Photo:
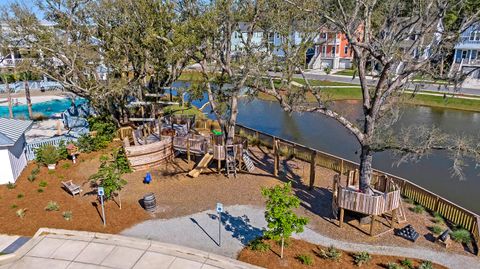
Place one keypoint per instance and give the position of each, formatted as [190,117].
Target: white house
[12,148]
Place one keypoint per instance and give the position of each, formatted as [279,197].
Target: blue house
[467,50]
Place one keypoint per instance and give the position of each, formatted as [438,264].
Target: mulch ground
[179,195]
[271,258]
[86,209]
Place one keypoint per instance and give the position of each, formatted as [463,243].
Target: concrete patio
[62,249]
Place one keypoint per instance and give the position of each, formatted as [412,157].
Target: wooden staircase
[248,161]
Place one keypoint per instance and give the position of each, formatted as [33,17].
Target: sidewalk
[63,249]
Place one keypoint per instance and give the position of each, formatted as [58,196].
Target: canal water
[431,172]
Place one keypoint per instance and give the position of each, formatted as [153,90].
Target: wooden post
[394,218]
[372,222]
[342,213]
[313,157]
[275,157]
[59,128]
[188,149]
[341,169]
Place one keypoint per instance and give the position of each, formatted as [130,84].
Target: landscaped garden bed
[302,254]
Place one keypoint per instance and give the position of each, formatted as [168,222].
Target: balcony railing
[328,55]
[470,61]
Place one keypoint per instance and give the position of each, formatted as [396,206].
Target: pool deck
[20,100]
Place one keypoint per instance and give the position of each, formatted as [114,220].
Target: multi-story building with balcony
[466,58]
[331,50]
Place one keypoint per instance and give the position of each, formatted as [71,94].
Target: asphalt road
[424,87]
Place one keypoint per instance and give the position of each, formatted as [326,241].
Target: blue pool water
[46,108]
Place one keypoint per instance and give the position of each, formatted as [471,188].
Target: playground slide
[201,165]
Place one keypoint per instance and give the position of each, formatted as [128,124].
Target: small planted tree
[108,176]
[281,219]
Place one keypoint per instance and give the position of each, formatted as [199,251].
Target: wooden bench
[72,188]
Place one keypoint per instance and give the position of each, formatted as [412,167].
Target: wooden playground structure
[152,144]
[384,201]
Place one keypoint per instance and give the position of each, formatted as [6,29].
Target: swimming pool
[47,108]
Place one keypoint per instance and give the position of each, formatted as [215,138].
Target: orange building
[331,50]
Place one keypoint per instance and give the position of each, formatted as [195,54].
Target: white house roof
[11,130]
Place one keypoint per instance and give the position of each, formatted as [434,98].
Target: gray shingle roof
[11,130]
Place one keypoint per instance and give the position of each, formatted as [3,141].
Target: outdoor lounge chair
[72,188]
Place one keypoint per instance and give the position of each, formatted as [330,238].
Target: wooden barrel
[149,202]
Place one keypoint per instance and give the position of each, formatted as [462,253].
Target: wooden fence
[449,210]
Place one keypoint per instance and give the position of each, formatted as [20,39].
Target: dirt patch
[271,258]
[85,209]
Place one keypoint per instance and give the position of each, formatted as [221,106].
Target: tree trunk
[29,99]
[366,169]
[232,121]
[9,98]
[281,249]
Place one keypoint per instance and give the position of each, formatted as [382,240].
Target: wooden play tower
[385,199]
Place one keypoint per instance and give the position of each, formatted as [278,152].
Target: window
[475,36]
[324,49]
[324,35]
[334,50]
[345,50]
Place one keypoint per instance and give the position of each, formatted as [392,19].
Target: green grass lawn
[338,94]
[183,110]
[190,76]
[346,72]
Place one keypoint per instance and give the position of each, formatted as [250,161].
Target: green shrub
[438,218]
[20,196]
[66,165]
[67,215]
[327,70]
[42,184]
[121,161]
[34,173]
[418,209]
[392,265]
[52,206]
[407,263]
[461,236]
[305,259]
[103,125]
[51,172]
[258,245]
[21,212]
[31,177]
[11,186]
[13,206]
[105,131]
[39,190]
[47,154]
[361,258]
[426,265]
[331,253]
[435,229]
[87,143]
[62,150]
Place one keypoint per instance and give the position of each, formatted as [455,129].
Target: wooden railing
[449,210]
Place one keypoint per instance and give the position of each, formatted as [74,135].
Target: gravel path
[241,223]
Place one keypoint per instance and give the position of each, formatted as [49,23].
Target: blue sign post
[101,192]
[219,211]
